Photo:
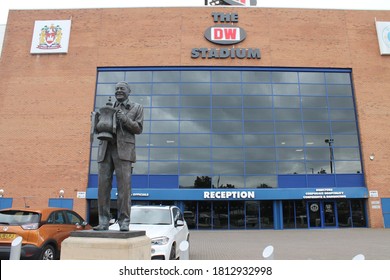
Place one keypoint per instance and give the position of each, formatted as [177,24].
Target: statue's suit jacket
[125,132]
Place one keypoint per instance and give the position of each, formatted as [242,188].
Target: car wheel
[48,253]
[172,255]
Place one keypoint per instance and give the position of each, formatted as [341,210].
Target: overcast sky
[6,5]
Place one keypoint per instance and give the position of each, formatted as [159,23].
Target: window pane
[198,154]
[288,114]
[260,154]
[232,140]
[261,182]
[315,114]
[166,89]
[165,126]
[259,140]
[311,77]
[227,114]
[258,114]
[226,89]
[166,76]
[196,140]
[316,127]
[291,167]
[195,101]
[353,167]
[165,140]
[288,127]
[227,101]
[228,126]
[313,89]
[195,76]
[285,89]
[111,77]
[195,126]
[344,128]
[143,100]
[346,154]
[314,102]
[259,167]
[286,102]
[228,154]
[339,90]
[284,77]
[256,77]
[340,102]
[198,167]
[138,76]
[164,153]
[194,114]
[317,154]
[195,88]
[289,140]
[165,114]
[345,140]
[163,168]
[258,89]
[165,101]
[345,115]
[257,101]
[231,168]
[338,78]
[226,76]
[290,154]
[260,127]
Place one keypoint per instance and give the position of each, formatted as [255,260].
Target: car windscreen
[150,216]
[11,217]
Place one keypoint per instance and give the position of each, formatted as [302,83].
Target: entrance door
[314,210]
[329,213]
[322,214]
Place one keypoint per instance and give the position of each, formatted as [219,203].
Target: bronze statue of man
[118,154]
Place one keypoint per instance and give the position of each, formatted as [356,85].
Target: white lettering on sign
[225,33]
[324,193]
[229,194]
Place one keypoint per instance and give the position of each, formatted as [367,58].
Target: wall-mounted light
[61,194]
[372,156]
[1,192]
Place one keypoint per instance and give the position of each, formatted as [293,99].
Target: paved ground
[333,244]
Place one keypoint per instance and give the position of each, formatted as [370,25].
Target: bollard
[184,250]
[268,252]
[359,257]
[16,246]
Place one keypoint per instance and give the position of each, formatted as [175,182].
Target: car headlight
[163,240]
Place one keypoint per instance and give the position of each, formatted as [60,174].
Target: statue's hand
[120,115]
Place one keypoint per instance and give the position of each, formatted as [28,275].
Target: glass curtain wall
[237,127]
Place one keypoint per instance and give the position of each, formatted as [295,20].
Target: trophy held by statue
[104,122]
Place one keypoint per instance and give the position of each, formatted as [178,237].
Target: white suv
[164,225]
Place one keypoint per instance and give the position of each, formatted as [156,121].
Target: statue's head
[122,91]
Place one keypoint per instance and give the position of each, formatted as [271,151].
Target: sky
[6,5]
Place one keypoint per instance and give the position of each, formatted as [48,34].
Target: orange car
[42,230]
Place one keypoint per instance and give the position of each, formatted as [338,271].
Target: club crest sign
[51,36]
[383,32]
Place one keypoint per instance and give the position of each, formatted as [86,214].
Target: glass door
[329,213]
[314,210]
[322,214]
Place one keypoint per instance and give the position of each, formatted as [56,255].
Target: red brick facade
[46,100]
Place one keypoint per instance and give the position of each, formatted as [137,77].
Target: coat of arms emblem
[50,37]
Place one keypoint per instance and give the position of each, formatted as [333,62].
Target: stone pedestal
[106,245]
